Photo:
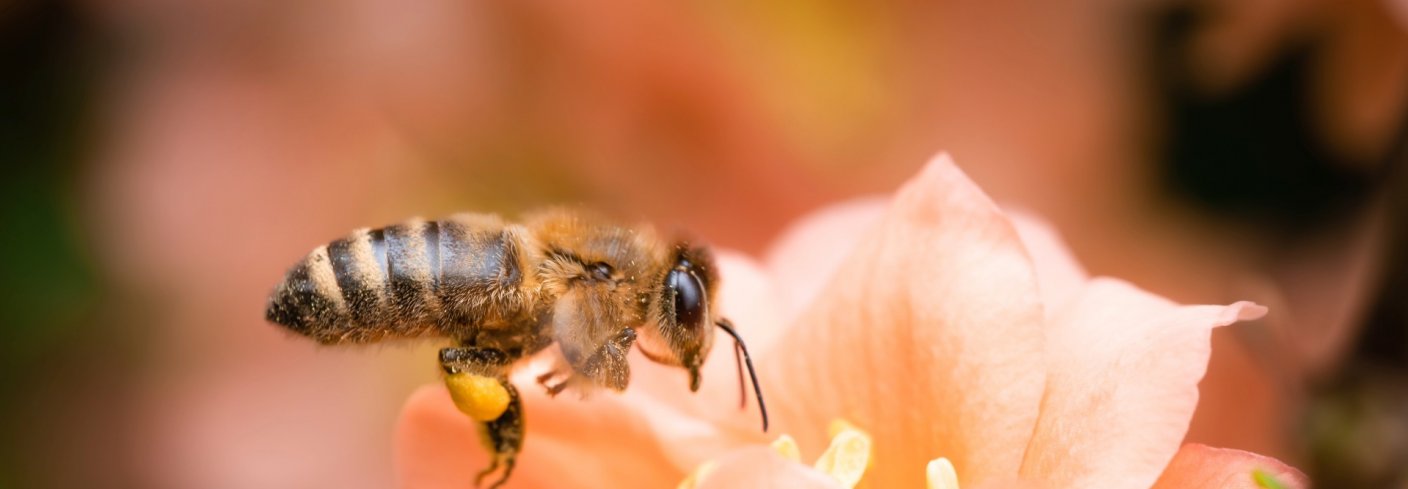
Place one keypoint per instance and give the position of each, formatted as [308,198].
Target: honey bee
[503,291]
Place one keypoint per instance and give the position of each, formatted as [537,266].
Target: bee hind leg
[504,438]
[488,362]
[479,387]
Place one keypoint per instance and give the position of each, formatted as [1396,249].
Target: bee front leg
[552,388]
[608,366]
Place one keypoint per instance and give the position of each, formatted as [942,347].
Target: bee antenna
[738,365]
[727,326]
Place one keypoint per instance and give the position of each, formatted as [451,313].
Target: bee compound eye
[601,271]
[689,298]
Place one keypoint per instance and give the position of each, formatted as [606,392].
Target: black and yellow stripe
[404,280]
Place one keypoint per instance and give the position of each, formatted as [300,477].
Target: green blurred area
[44,97]
[48,285]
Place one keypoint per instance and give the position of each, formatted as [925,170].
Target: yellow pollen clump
[940,474]
[482,398]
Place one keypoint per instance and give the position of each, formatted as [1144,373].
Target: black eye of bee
[689,297]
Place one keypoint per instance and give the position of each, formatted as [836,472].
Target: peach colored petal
[749,297]
[1058,273]
[1122,384]
[693,427]
[761,467]
[1009,482]
[811,249]
[596,443]
[928,337]
[1203,466]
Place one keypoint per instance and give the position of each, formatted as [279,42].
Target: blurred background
[165,160]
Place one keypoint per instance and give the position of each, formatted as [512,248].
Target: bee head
[683,328]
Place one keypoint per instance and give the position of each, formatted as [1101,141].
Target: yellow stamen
[697,476]
[845,460]
[482,398]
[787,447]
[940,474]
[838,425]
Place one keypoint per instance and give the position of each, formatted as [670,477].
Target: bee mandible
[503,291]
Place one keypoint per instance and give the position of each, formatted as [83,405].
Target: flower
[944,328]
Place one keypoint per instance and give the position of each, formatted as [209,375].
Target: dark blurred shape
[1359,430]
[1358,423]
[1252,151]
[1385,340]
[47,284]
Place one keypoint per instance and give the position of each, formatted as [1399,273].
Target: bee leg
[608,366]
[553,388]
[504,437]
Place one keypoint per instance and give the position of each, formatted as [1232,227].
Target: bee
[503,291]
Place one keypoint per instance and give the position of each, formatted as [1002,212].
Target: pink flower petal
[1122,385]
[929,337]
[748,296]
[1203,466]
[1058,273]
[1010,482]
[596,443]
[762,468]
[810,251]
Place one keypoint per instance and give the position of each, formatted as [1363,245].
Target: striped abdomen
[411,279]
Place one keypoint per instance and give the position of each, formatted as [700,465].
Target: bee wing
[585,319]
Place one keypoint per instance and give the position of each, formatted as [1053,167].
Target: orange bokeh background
[195,149]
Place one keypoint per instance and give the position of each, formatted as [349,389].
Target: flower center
[845,460]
